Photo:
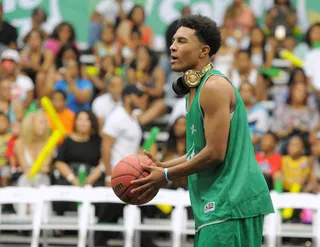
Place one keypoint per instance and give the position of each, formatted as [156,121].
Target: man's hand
[107,184]
[157,162]
[149,185]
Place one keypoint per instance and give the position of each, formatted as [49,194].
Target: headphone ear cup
[179,87]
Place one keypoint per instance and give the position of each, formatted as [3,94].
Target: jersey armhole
[234,92]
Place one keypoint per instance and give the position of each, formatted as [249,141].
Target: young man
[228,192]
[104,104]
[121,135]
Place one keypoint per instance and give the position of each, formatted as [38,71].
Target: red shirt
[10,148]
[269,165]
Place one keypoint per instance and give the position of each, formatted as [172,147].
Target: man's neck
[128,109]
[201,64]
[268,153]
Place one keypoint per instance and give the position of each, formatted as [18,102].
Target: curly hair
[206,30]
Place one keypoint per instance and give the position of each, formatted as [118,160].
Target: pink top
[52,45]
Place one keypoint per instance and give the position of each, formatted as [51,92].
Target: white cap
[10,54]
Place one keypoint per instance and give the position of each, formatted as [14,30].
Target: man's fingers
[149,155]
[147,168]
[140,189]
[146,194]
[140,181]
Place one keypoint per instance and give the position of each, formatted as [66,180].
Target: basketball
[127,170]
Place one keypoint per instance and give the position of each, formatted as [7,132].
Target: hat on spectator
[10,54]
[131,89]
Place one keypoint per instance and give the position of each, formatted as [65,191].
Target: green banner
[76,12]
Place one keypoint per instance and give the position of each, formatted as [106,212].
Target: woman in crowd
[35,133]
[296,117]
[136,17]
[81,150]
[145,72]
[62,35]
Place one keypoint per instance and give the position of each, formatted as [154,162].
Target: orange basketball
[127,170]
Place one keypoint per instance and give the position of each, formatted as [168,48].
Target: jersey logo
[191,152]
[193,129]
[211,206]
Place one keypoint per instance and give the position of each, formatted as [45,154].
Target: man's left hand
[149,185]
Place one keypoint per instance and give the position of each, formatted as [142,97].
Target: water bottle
[82,175]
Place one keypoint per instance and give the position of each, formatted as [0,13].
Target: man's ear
[205,51]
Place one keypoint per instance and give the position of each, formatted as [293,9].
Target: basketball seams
[125,162]
[122,175]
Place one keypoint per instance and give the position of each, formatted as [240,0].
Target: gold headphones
[190,79]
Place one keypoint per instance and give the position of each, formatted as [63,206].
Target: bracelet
[166,175]
[70,177]
[107,179]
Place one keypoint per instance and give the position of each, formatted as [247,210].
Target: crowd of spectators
[106,106]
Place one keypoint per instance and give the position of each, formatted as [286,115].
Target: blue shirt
[72,103]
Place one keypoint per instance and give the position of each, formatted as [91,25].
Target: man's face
[185,50]
[9,67]
[115,88]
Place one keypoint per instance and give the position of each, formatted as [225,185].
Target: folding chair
[22,196]
[299,230]
[172,225]
[45,221]
[106,195]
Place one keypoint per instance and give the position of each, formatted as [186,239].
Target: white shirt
[103,105]
[110,9]
[21,87]
[311,67]
[236,79]
[178,110]
[126,131]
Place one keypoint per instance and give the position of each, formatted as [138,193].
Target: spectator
[21,86]
[239,20]
[35,61]
[11,154]
[258,117]
[258,49]
[179,109]
[4,139]
[67,52]
[107,69]
[79,91]
[107,45]
[122,135]
[107,12]
[8,33]
[36,22]
[176,144]
[268,159]
[296,117]
[103,105]
[128,52]
[243,69]
[282,16]
[62,35]
[316,162]
[136,17]
[150,78]
[66,116]
[224,59]
[81,148]
[311,38]
[35,133]
[296,167]
[12,108]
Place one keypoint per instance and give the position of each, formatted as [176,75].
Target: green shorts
[232,233]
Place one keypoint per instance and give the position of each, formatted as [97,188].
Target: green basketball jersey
[234,189]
